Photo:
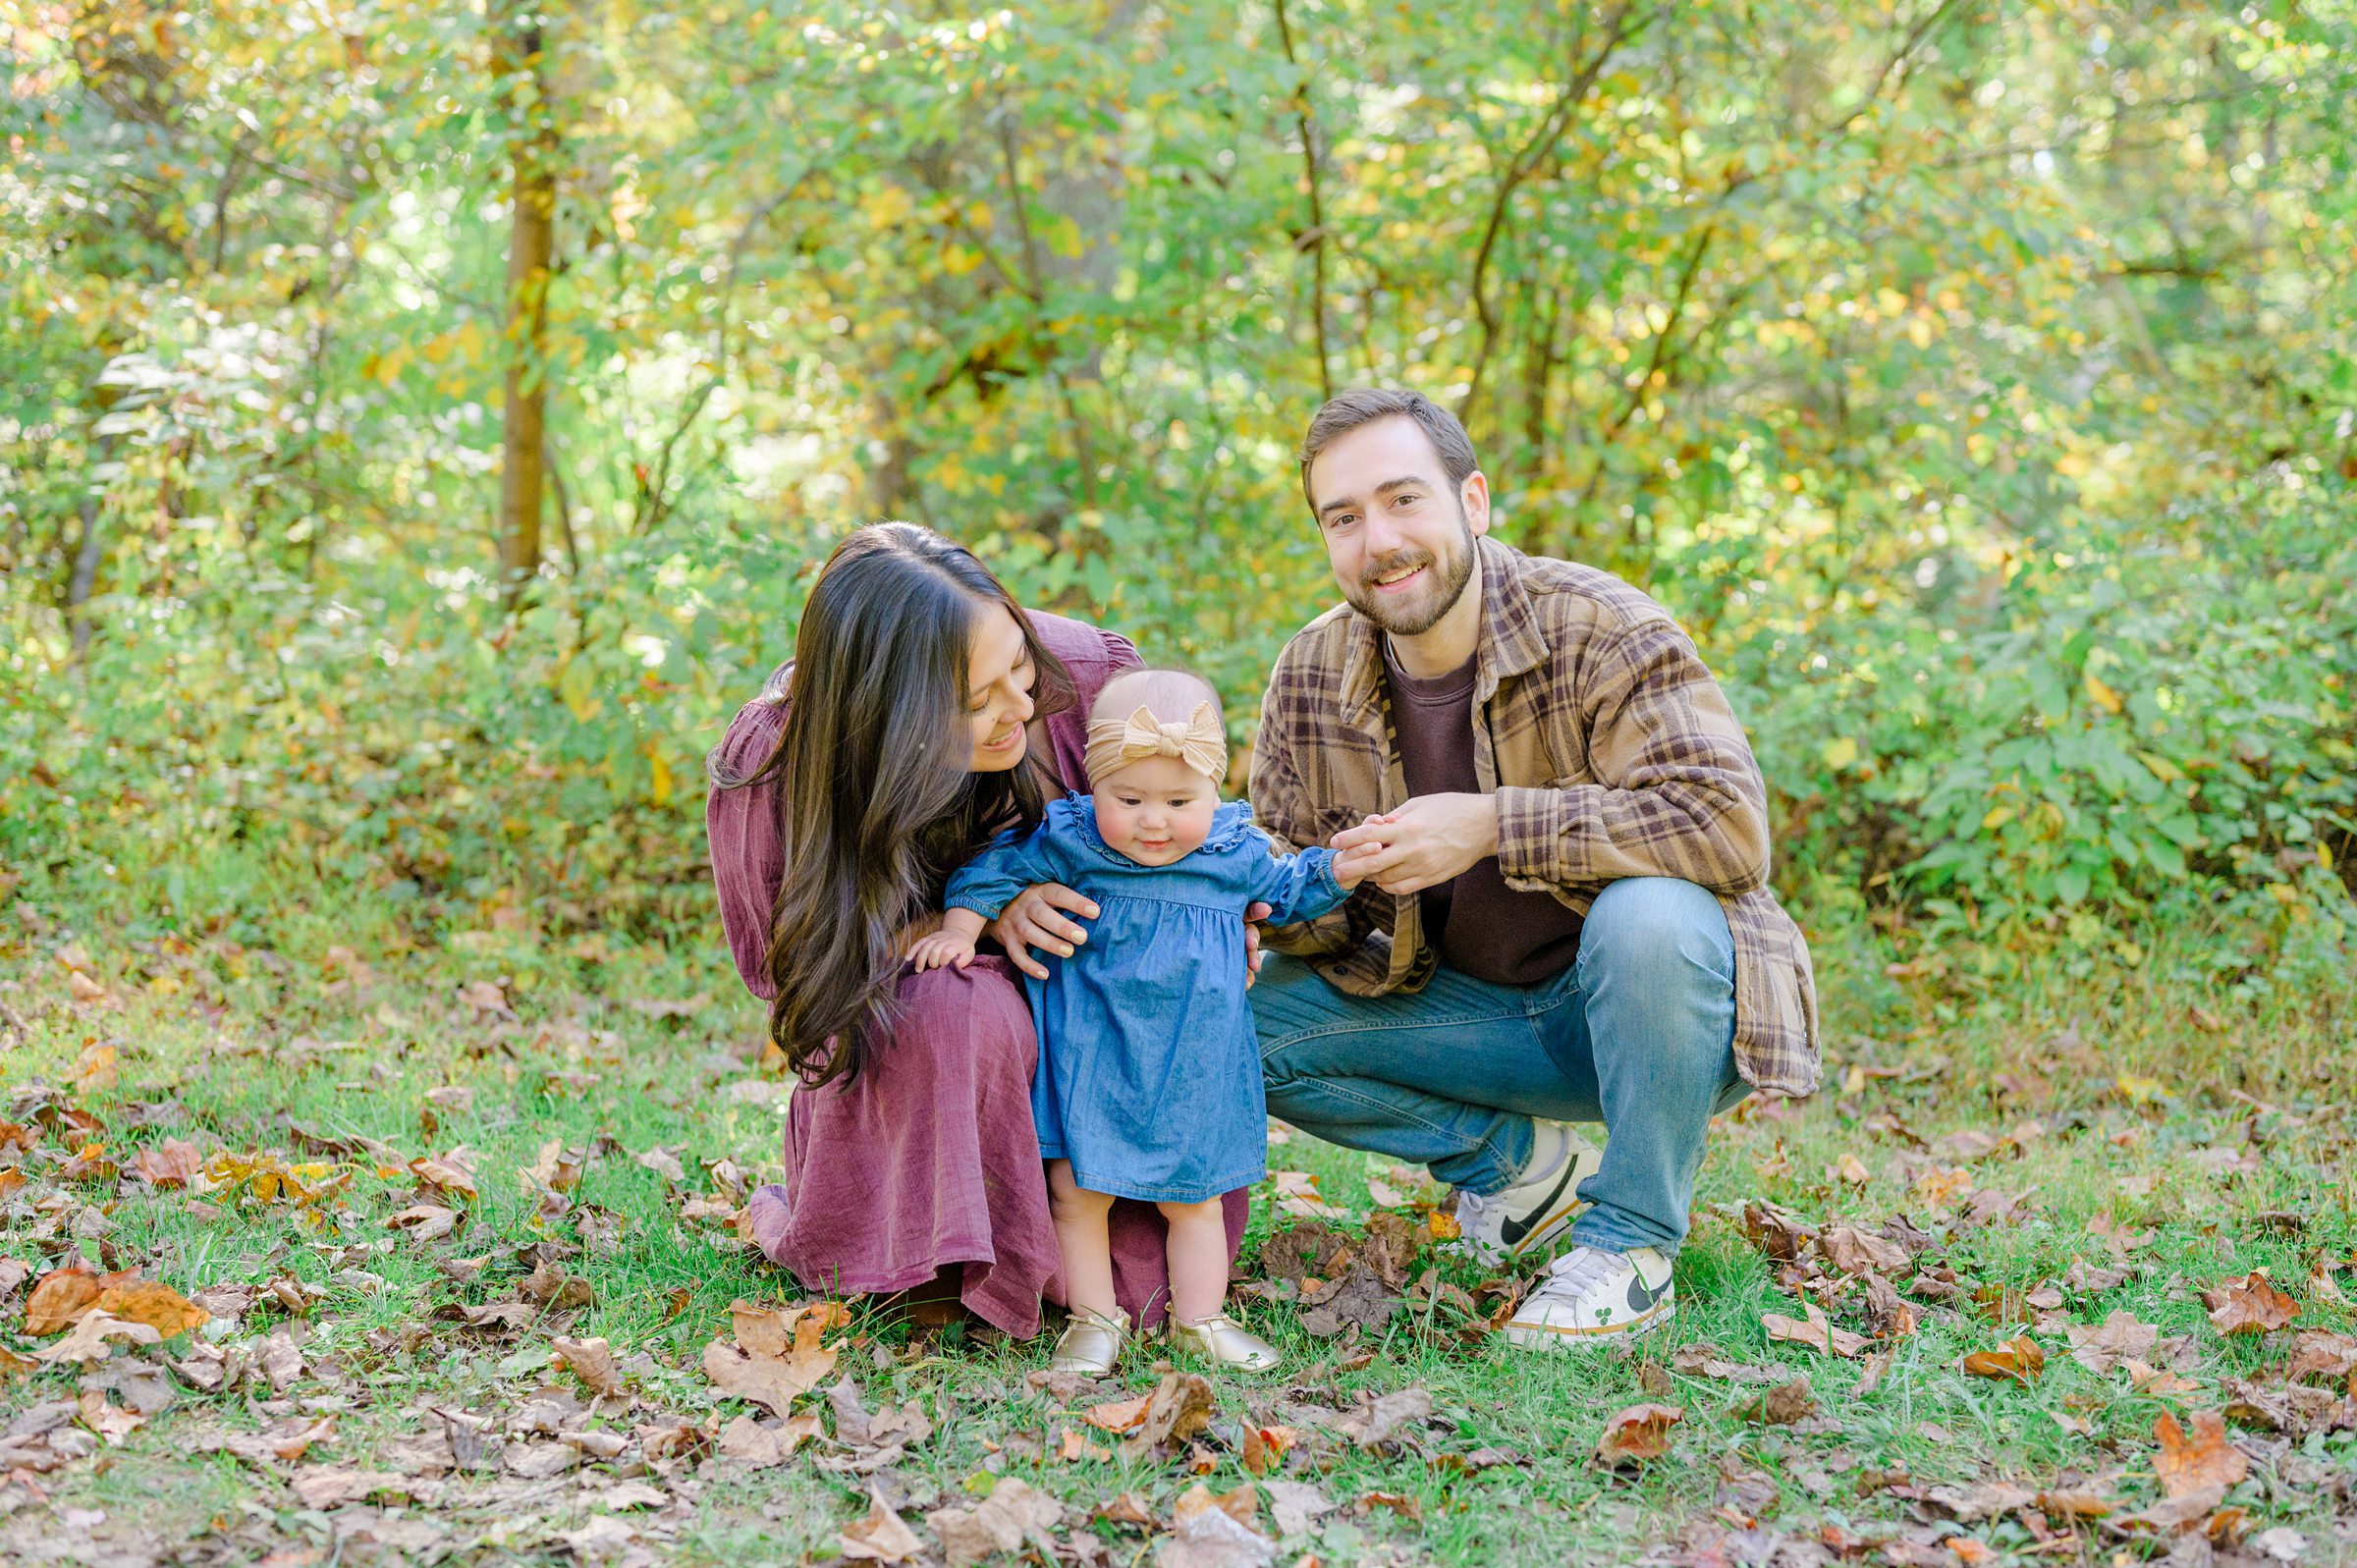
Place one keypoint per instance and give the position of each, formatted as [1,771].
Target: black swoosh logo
[1514,1231]
[1641,1300]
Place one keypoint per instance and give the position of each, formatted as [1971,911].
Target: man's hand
[1420,844]
[1036,919]
[1254,914]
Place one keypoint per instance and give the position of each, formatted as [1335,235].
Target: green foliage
[1946,368]
[2090,723]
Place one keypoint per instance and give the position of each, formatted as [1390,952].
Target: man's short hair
[1346,411]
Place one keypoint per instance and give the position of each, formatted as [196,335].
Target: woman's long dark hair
[880,805]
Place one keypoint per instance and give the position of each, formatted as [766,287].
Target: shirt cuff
[1530,834]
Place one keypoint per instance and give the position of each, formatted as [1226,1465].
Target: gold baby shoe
[1091,1343]
[1224,1341]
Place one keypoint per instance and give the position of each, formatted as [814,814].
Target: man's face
[1397,534]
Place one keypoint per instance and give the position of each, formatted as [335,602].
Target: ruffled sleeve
[747,833]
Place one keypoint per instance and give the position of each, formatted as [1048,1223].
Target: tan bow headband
[1200,743]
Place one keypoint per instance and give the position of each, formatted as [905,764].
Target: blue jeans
[1639,1034]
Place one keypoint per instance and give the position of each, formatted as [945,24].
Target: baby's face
[1155,810]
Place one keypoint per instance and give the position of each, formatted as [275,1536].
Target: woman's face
[997,689]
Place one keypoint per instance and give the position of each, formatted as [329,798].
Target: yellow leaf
[887,205]
[958,260]
[1998,817]
[577,685]
[2161,768]
[1840,753]
[659,778]
[2101,695]
[1063,235]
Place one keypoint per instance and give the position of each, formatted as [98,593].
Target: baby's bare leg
[1080,1216]
[1198,1253]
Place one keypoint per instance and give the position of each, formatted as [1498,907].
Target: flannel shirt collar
[1510,641]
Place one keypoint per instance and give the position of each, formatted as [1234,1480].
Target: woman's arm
[745,825]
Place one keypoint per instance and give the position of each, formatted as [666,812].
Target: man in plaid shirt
[1569,919]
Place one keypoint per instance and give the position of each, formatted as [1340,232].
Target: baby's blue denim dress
[1149,1069]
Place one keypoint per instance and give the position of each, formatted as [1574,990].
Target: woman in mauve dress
[923,711]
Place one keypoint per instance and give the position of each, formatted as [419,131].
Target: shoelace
[1573,1273]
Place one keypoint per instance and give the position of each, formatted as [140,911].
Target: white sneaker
[1589,1294]
[1535,1209]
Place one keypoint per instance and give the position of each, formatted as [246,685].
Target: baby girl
[1149,1075]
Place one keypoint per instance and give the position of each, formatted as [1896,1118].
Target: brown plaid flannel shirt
[1612,753]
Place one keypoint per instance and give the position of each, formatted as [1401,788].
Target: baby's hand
[1351,866]
[942,949]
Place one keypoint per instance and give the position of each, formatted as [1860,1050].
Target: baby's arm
[988,882]
[953,944]
[1301,887]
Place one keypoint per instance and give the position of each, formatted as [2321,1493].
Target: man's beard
[1444,584]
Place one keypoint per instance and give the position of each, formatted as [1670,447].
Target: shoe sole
[1553,1337]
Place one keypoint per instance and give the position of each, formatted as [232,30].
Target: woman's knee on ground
[983,1009]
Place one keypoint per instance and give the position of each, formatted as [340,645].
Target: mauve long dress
[928,1158]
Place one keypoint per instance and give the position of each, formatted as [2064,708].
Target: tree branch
[1314,238]
[1617,31]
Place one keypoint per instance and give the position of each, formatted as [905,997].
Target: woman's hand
[1036,919]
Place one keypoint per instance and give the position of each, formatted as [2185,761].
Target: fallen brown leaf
[1013,1513]
[766,1365]
[109,1421]
[2197,1461]
[2074,1504]
[445,1175]
[1375,1421]
[881,1536]
[2119,1336]
[1816,1332]
[1180,1406]
[62,1296]
[1855,1252]
[1639,1432]
[1703,1359]
[154,1303]
[2250,1305]
[327,1487]
[761,1445]
[425,1221]
[89,1342]
[2154,1380]
[1120,1415]
[1779,1406]
[2019,1359]
[592,1362]
[174,1162]
[2321,1354]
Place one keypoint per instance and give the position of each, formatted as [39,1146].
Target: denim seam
[1327,1032]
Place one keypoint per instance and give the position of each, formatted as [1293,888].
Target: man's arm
[1680,793]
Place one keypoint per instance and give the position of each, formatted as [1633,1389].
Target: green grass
[2133,1075]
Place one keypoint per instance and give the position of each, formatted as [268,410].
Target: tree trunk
[532,248]
[85,576]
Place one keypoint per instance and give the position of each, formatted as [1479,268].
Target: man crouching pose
[1570,920]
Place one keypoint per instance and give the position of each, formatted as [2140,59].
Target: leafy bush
[2114,718]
